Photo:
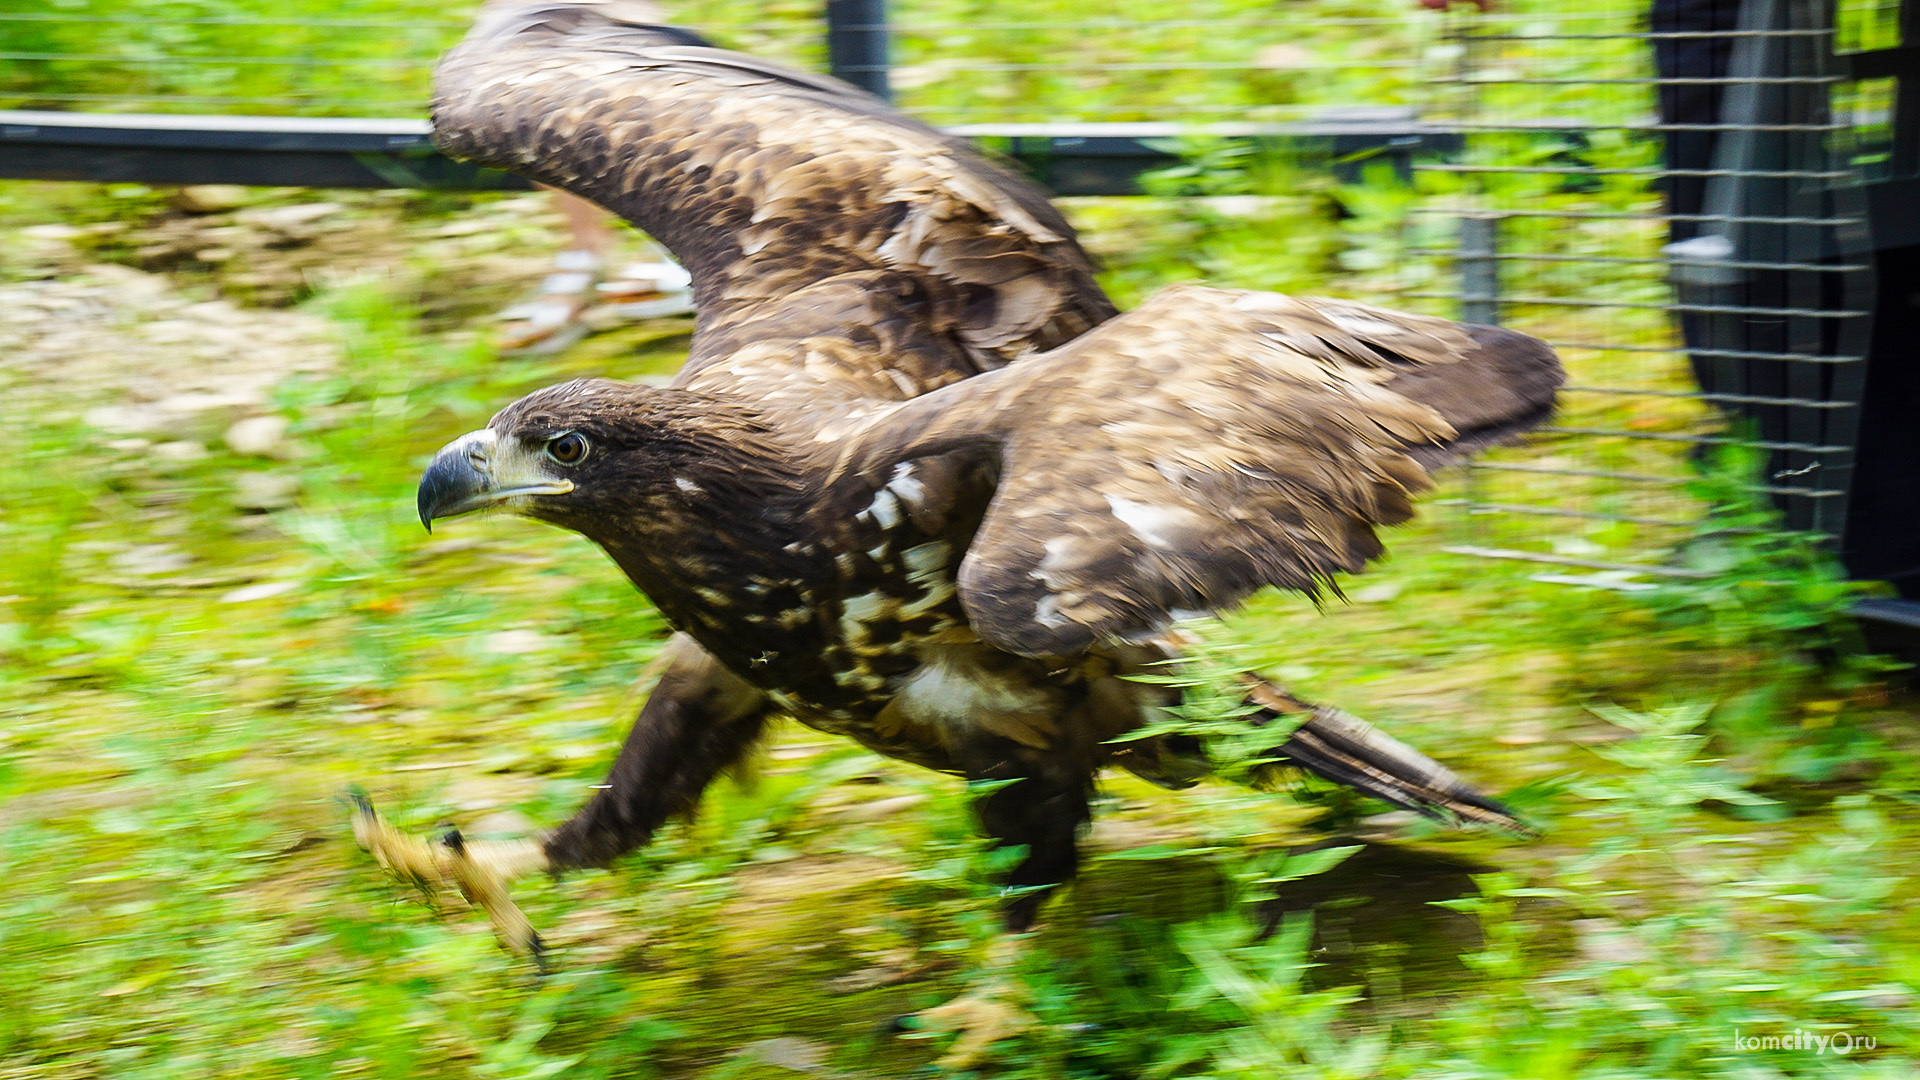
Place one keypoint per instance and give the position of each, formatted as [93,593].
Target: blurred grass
[179,896]
[954,61]
[188,682]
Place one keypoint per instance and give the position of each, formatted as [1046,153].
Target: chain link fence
[949,62]
[1670,193]
[1673,198]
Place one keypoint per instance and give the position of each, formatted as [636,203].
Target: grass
[191,672]
[179,895]
[954,60]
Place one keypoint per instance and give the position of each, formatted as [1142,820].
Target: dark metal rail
[276,151]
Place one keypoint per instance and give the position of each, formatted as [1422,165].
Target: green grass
[179,895]
[1728,813]
[953,60]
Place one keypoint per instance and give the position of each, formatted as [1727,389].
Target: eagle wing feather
[864,282]
[1200,447]
[765,181]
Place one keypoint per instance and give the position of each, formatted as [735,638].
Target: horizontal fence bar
[1578,515]
[1619,348]
[1649,80]
[1180,65]
[232,20]
[1629,215]
[422,61]
[1485,465]
[1183,109]
[1652,260]
[362,104]
[1337,121]
[1488,465]
[1069,158]
[1641,305]
[1293,26]
[1748,354]
[1729,354]
[1657,35]
[896,26]
[1566,560]
[1572,127]
[1705,440]
[1648,172]
[237,61]
[1734,399]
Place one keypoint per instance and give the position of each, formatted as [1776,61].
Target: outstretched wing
[764,181]
[1209,443]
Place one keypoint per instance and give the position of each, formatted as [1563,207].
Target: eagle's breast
[898,587]
[892,610]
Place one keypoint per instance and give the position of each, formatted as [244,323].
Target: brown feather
[765,181]
[918,484]
[1187,453]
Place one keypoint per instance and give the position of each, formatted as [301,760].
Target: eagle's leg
[700,719]
[481,870]
[1045,815]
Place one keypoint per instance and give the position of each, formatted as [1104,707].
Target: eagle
[919,483]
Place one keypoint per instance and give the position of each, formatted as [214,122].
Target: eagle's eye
[568,448]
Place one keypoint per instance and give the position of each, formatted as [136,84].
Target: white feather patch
[1358,323]
[904,484]
[1047,613]
[926,562]
[1064,554]
[885,511]
[1159,526]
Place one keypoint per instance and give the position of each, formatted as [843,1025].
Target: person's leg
[550,319]
[589,228]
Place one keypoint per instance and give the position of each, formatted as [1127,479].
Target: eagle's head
[595,455]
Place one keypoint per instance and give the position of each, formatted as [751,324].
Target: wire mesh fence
[951,62]
[1671,197]
[1667,191]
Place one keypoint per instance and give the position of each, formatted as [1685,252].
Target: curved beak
[473,473]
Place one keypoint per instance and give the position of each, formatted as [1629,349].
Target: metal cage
[1689,201]
[1693,199]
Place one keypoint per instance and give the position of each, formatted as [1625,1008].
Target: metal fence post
[857,44]
[1479,269]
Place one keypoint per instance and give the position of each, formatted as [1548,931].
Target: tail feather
[1347,750]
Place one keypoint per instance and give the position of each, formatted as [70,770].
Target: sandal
[551,319]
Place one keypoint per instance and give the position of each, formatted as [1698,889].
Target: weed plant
[1779,600]
[178,896]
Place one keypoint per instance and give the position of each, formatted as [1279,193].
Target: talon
[982,1016]
[482,871]
[400,855]
[982,1019]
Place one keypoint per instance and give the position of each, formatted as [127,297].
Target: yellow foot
[482,871]
[982,1016]
[982,1019]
